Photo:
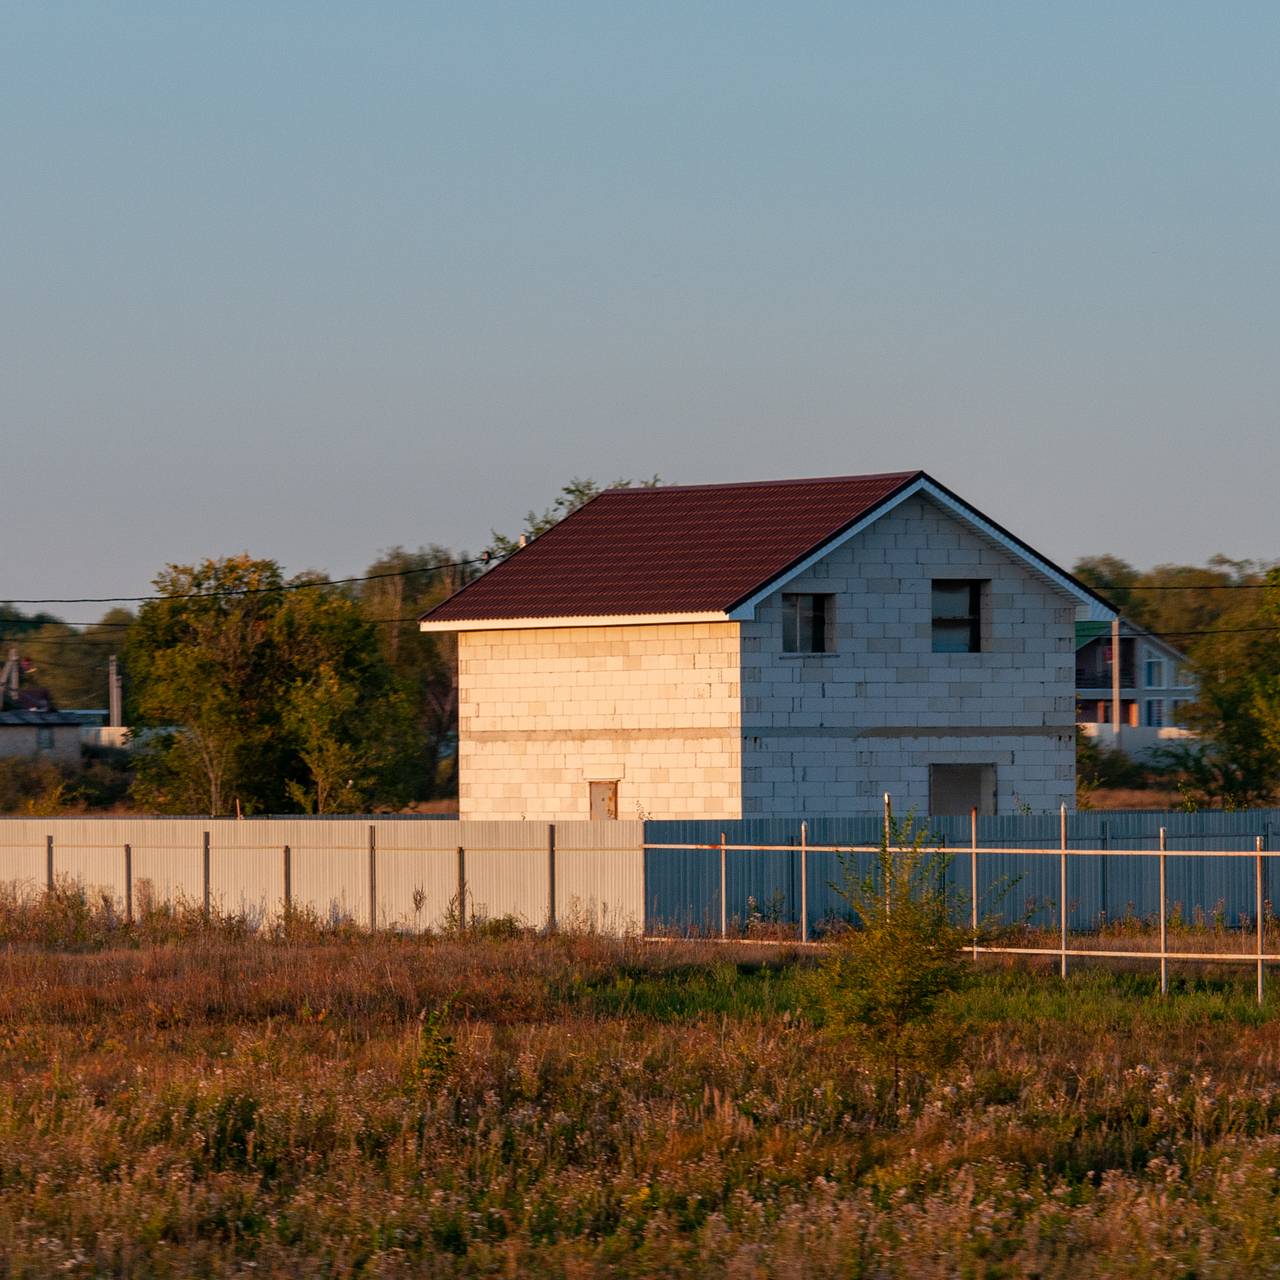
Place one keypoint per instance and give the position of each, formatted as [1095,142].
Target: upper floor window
[1155,713]
[1154,673]
[957,615]
[807,623]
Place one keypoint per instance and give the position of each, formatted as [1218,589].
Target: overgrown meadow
[187,1099]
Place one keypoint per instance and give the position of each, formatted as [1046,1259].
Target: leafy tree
[425,665]
[1113,578]
[321,717]
[884,985]
[257,693]
[204,663]
[14,623]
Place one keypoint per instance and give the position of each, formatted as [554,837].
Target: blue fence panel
[682,885]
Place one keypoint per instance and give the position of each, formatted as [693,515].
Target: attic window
[957,615]
[806,623]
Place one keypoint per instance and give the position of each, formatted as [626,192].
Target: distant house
[54,734]
[778,648]
[30,724]
[1155,687]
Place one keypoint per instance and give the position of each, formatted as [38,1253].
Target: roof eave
[572,620]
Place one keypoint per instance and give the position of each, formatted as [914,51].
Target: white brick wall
[831,733]
[713,720]
[543,712]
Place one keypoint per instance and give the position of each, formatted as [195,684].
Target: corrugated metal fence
[682,885]
[406,873]
[387,873]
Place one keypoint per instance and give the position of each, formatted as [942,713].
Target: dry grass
[1164,801]
[199,1100]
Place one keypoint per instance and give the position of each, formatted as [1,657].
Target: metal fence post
[1261,921]
[973,878]
[804,882]
[48,863]
[888,854]
[1062,889]
[1267,846]
[1104,892]
[288,879]
[373,877]
[551,876]
[462,888]
[724,890]
[128,883]
[1164,914]
[204,874]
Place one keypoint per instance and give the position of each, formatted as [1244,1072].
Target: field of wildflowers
[187,1099]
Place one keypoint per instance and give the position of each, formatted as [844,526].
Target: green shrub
[883,985]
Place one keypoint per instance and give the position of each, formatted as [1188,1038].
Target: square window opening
[957,789]
[957,615]
[808,623]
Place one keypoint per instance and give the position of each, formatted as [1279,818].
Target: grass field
[188,1101]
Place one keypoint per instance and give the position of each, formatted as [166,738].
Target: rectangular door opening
[604,800]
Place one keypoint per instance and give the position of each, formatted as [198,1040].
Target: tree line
[252,691]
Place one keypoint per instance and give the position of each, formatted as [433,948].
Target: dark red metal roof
[678,549]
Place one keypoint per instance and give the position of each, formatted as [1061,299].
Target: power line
[1189,586]
[28,637]
[250,591]
[1215,631]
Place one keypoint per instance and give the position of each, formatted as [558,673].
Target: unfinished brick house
[780,648]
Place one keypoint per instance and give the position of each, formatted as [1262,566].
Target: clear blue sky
[314,279]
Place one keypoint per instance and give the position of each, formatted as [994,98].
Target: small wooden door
[604,800]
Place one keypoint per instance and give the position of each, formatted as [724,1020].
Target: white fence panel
[248,880]
[23,857]
[418,872]
[506,870]
[99,869]
[333,883]
[600,876]
[168,874]
[508,884]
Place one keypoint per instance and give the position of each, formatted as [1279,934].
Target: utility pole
[1115,681]
[115,715]
[10,676]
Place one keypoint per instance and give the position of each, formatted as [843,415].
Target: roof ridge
[752,484]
